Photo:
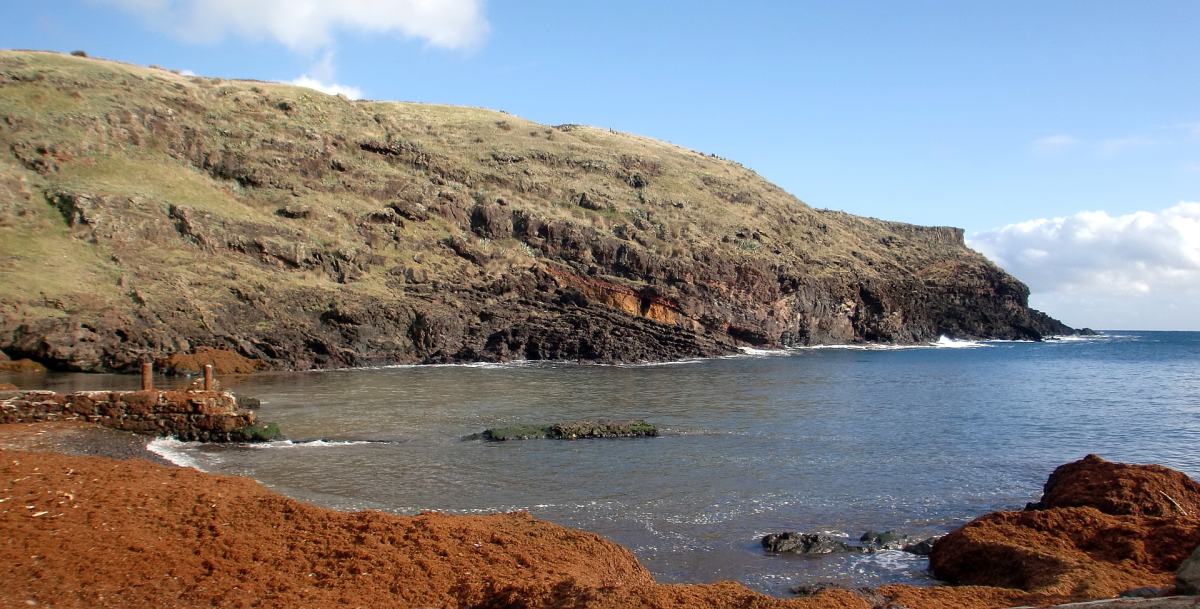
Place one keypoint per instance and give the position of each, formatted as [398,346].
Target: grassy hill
[145,214]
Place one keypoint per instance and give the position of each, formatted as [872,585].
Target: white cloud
[321,77]
[1133,271]
[309,25]
[1053,143]
[330,88]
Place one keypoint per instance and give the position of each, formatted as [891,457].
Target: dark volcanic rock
[804,543]
[922,547]
[887,540]
[314,233]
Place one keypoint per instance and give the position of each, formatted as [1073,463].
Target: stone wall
[207,416]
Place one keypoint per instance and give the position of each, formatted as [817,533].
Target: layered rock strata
[148,215]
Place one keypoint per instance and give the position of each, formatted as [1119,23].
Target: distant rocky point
[151,215]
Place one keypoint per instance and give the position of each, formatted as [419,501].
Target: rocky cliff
[146,214]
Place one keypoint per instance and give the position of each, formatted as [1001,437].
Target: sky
[1064,136]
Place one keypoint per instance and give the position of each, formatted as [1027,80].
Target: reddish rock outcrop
[223,361]
[1101,528]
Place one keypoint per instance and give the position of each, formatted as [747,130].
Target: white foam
[945,342]
[173,450]
[308,443]
[1070,338]
[752,352]
[895,560]
[677,362]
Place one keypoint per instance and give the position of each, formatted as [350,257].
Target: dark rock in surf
[793,542]
[887,540]
[921,548]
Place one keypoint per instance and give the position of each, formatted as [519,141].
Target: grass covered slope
[144,213]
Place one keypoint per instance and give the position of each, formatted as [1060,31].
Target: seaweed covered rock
[1101,528]
[1121,489]
[569,431]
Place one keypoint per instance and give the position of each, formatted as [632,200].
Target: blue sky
[987,116]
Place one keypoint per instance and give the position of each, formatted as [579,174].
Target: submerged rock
[793,542]
[569,431]
[1187,579]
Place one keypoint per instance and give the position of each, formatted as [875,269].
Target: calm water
[840,440]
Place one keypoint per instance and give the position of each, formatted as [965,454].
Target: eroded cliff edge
[145,213]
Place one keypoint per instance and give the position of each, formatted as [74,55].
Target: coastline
[228,542]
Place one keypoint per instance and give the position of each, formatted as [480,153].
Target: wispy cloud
[1124,270]
[309,25]
[1053,143]
[1191,128]
[1117,145]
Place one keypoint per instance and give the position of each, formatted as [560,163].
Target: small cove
[837,440]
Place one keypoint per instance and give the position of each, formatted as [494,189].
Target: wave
[318,443]
[173,451]
[945,342]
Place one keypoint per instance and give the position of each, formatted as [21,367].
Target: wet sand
[77,438]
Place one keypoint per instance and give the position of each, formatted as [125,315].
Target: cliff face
[144,213]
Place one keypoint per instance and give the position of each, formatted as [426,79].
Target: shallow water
[839,440]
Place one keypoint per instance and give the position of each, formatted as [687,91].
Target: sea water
[834,440]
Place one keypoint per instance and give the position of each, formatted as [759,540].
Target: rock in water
[1187,579]
[921,548]
[887,540]
[576,430]
[793,542]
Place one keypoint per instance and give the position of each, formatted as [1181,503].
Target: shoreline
[79,438]
[436,563]
[744,352]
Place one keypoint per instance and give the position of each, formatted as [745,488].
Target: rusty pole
[147,376]
[208,377]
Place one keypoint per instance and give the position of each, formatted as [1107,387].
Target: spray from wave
[173,451]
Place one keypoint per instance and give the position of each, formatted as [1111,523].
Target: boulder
[1100,529]
[793,542]
[921,548]
[1121,489]
[887,540]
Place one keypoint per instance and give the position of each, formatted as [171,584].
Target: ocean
[837,440]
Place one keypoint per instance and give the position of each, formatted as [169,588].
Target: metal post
[147,376]
[208,377]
